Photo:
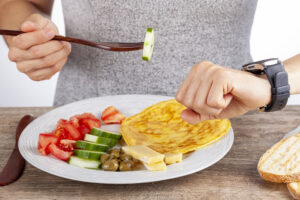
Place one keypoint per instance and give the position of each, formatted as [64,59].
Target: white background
[276,33]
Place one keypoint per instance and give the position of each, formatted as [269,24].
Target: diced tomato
[61,133]
[71,130]
[59,153]
[83,130]
[66,145]
[75,121]
[112,116]
[91,123]
[45,139]
[61,122]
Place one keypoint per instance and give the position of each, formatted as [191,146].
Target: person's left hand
[215,92]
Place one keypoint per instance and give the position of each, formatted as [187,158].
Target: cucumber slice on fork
[148,44]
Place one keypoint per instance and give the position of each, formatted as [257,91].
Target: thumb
[29,26]
[191,116]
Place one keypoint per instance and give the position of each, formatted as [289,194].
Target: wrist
[292,67]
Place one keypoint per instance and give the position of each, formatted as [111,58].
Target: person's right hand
[34,52]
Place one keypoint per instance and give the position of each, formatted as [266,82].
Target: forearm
[292,66]
[13,13]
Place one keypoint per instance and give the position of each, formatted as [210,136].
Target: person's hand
[215,92]
[34,52]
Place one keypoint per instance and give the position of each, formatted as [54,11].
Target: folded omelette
[161,128]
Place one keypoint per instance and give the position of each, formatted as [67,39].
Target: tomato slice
[91,123]
[84,116]
[110,110]
[45,139]
[112,116]
[59,153]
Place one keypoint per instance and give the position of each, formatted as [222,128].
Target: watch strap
[278,79]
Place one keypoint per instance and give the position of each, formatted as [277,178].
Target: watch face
[258,67]
[254,68]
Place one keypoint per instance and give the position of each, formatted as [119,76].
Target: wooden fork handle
[109,46]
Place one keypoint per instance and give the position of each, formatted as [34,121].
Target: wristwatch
[278,78]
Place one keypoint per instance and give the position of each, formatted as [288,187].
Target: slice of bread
[294,189]
[281,163]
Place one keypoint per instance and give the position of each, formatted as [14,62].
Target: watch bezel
[258,67]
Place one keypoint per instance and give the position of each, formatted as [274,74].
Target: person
[199,50]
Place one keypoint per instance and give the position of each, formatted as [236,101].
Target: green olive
[115,153]
[125,157]
[104,157]
[126,165]
[110,165]
[135,161]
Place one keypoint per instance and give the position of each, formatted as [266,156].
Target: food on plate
[161,128]
[144,154]
[112,116]
[91,146]
[100,140]
[59,153]
[151,159]
[294,189]
[160,166]
[45,139]
[155,137]
[93,155]
[116,159]
[281,162]
[148,44]
[171,158]
[84,163]
[62,141]
[106,133]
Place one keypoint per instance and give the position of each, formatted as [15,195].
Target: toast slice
[281,163]
[294,189]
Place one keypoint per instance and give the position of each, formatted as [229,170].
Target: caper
[126,165]
[110,165]
[115,153]
[104,157]
[125,157]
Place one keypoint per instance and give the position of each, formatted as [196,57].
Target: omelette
[161,128]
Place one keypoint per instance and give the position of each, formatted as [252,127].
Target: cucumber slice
[100,140]
[106,133]
[92,146]
[93,155]
[84,163]
[148,44]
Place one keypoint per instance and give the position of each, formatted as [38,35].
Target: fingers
[38,51]
[200,103]
[217,96]
[50,60]
[27,40]
[47,73]
[205,92]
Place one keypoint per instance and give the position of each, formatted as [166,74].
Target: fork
[108,46]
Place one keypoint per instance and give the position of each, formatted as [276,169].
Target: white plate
[129,105]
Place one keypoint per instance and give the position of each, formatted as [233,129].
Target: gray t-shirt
[187,31]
